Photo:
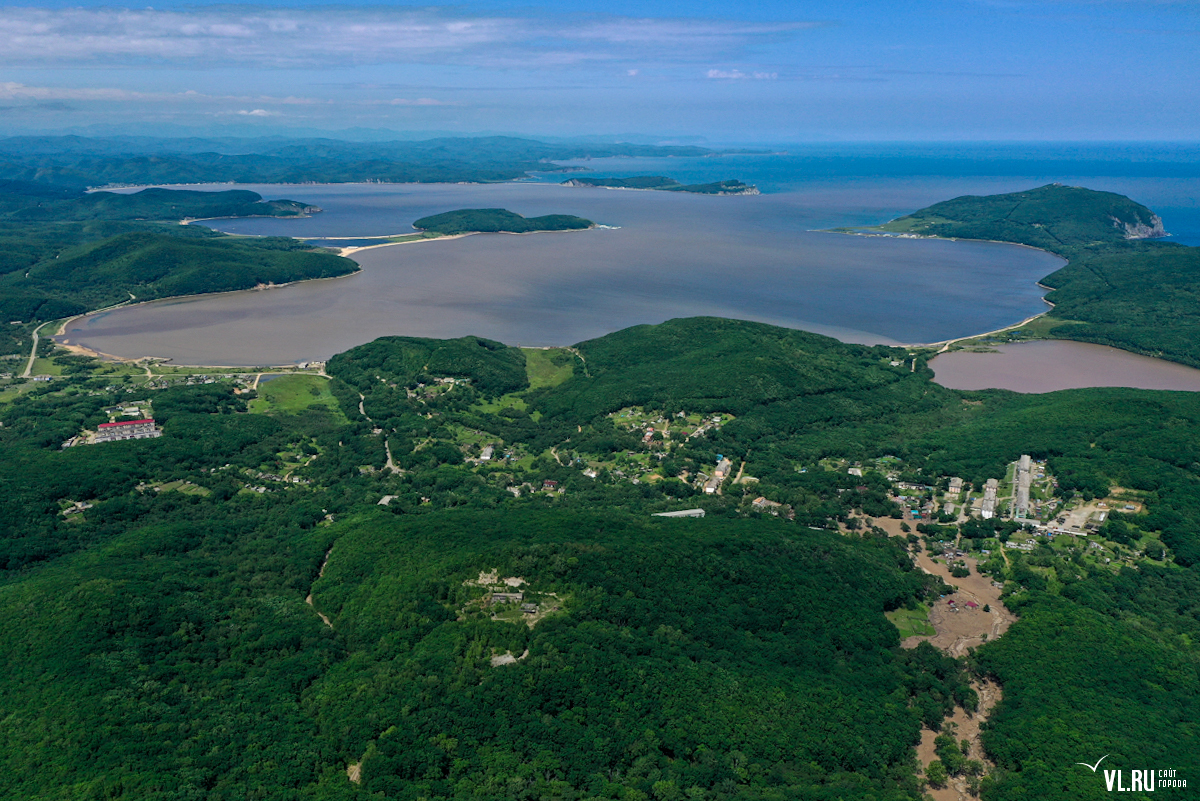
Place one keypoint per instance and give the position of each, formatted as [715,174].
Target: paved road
[33,352]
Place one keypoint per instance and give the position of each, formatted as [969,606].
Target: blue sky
[773,72]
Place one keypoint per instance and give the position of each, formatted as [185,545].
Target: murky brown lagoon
[1054,365]
[666,255]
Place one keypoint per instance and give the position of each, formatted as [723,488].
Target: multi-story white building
[126,429]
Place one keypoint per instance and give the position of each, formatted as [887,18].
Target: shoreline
[86,351]
[347,252]
[942,346]
[945,344]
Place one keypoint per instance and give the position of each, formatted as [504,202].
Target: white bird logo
[1092,768]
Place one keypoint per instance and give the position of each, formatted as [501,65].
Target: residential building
[126,429]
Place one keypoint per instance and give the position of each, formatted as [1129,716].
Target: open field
[912,622]
[548,367]
[293,393]
[186,487]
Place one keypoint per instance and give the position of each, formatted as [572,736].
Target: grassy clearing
[548,367]
[912,622]
[1042,326]
[293,393]
[186,487]
[44,366]
[10,392]
[503,402]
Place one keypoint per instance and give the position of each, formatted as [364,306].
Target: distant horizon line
[380,135]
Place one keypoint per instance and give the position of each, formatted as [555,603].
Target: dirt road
[309,599]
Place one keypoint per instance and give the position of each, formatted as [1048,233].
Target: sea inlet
[659,256]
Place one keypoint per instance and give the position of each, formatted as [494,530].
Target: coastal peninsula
[66,251]
[1122,285]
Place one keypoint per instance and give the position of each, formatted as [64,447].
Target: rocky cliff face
[1139,229]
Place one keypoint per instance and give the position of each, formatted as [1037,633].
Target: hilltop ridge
[1054,217]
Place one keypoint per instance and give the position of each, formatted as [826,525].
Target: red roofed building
[126,429]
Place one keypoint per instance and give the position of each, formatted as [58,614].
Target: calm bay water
[1050,366]
[667,255]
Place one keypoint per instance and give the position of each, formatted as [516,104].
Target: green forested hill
[1055,217]
[493,367]
[708,363]
[64,252]
[485,221]
[148,204]
[683,657]
[1147,302]
[149,265]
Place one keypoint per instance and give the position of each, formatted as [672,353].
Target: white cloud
[19,91]
[258,112]
[420,101]
[738,75]
[314,37]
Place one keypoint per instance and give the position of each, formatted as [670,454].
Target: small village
[1021,510]
[1022,513]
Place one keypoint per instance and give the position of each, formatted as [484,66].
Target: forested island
[664,184]
[1123,285]
[491,221]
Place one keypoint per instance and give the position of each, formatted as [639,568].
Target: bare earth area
[959,627]
[966,728]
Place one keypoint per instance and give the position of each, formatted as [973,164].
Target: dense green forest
[1055,217]
[665,184]
[1121,286]
[28,202]
[158,643]
[491,221]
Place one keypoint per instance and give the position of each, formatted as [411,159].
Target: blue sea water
[1164,177]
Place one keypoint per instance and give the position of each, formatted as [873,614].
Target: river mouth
[664,255]
[1036,367]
